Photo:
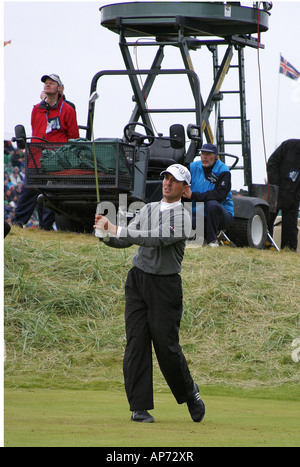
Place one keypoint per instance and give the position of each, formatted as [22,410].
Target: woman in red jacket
[54,120]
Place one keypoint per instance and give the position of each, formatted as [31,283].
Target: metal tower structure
[191,26]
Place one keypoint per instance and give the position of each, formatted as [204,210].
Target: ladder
[243,139]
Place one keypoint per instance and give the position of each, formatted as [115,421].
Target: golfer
[153,293]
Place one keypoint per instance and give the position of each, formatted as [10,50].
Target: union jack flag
[287,69]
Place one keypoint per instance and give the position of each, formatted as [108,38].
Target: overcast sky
[67,38]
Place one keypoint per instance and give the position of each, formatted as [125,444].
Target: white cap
[179,172]
[54,77]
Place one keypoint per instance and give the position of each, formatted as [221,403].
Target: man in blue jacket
[211,185]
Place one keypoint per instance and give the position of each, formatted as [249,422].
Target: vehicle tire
[250,232]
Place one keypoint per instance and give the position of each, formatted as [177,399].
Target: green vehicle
[72,177]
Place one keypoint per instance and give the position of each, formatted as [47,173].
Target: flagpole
[277,111]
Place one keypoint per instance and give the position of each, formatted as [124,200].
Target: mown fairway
[64,334]
[41,418]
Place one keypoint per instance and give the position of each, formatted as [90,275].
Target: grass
[64,304]
[64,324]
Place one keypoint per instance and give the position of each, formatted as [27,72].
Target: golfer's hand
[102,223]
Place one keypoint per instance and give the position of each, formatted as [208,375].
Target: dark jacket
[284,171]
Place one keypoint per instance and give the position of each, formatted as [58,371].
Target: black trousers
[289,227]
[217,218]
[152,315]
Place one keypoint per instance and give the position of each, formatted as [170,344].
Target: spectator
[15,177]
[54,120]
[22,174]
[284,171]
[8,147]
[211,185]
[17,159]
[13,183]
[9,195]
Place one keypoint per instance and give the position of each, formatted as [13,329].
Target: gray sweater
[161,235]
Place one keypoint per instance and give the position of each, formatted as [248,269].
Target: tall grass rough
[64,306]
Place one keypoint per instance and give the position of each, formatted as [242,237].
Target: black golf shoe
[141,416]
[196,405]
